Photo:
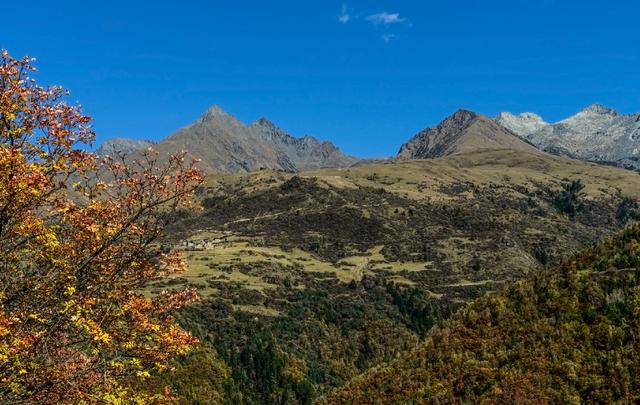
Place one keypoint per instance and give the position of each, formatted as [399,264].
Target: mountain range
[597,133]
[122,145]
[464,131]
[225,144]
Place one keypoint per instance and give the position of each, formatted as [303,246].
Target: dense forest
[568,334]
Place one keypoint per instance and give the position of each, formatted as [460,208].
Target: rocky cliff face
[306,153]
[596,133]
[222,143]
[464,131]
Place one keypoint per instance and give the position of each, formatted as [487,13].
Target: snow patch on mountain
[526,122]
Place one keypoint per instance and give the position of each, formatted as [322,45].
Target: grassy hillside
[316,278]
[569,334]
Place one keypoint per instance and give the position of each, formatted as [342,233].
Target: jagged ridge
[597,133]
[122,146]
[223,143]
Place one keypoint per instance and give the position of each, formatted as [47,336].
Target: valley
[319,203]
[336,271]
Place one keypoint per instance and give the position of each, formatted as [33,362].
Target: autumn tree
[78,240]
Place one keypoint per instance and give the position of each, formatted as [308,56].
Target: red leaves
[78,237]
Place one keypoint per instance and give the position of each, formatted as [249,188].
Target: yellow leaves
[119,395]
[67,305]
[635,301]
[93,329]
[49,240]
[296,368]
[102,337]
[14,387]
[36,317]
[72,255]
[116,364]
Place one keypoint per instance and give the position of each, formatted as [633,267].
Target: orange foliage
[77,239]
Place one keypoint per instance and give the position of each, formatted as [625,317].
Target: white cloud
[385,18]
[388,37]
[383,22]
[344,16]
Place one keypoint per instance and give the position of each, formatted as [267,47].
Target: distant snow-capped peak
[522,124]
[596,133]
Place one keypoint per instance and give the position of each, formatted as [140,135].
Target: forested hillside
[568,334]
[310,280]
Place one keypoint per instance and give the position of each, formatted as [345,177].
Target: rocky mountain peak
[461,117]
[525,116]
[265,122]
[522,124]
[266,129]
[215,113]
[600,110]
[596,133]
[223,143]
[458,121]
[463,131]
[531,116]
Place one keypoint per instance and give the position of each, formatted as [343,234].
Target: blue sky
[366,75]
